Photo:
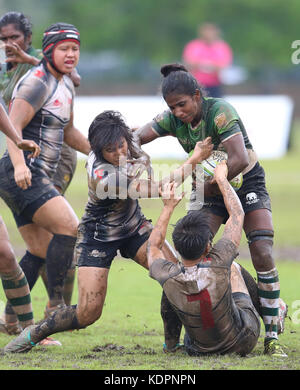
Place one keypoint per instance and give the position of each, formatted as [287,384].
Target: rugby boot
[21,343]
[178,347]
[11,328]
[274,349]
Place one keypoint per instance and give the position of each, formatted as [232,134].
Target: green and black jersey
[9,79]
[220,121]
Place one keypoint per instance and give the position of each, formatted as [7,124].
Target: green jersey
[219,121]
[9,79]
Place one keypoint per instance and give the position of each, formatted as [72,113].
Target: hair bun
[165,70]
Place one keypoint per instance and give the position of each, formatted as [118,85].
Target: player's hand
[22,176]
[202,150]
[168,196]
[31,146]
[221,172]
[15,54]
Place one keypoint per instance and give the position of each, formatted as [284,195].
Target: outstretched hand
[202,150]
[31,146]
[168,196]
[221,172]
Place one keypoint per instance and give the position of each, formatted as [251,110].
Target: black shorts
[91,252]
[65,169]
[252,194]
[24,203]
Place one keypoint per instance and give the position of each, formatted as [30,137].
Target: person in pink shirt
[206,56]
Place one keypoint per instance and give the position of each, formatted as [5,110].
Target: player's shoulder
[69,84]
[220,111]
[223,250]
[39,73]
[97,168]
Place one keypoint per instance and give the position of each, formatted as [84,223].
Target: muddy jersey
[52,101]
[116,216]
[219,120]
[201,296]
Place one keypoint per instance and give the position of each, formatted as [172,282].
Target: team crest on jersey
[220,120]
[99,173]
[57,103]
[39,73]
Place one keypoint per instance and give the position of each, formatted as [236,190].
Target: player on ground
[192,117]
[42,109]
[206,290]
[112,221]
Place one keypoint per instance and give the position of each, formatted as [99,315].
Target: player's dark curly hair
[107,129]
[21,22]
[191,235]
[178,80]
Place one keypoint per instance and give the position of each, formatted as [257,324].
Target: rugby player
[16,34]
[206,290]
[42,109]
[192,117]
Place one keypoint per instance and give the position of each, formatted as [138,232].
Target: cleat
[282,313]
[11,328]
[178,347]
[21,343]
[49,341]
[274,349]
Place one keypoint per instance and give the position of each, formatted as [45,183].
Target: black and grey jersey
[52,101]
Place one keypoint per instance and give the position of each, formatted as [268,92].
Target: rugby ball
[210,164]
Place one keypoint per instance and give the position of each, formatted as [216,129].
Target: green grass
[129,335]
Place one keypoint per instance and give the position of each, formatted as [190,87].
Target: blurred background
[124,42]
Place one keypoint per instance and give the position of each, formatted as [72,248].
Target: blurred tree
[260,32]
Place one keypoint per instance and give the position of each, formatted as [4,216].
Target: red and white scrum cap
[55,34]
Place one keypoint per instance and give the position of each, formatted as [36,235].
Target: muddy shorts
[91,252]
[247,323]
[24,203]
[252,194]
[65,168]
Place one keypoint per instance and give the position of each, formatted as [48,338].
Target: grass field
[129,335]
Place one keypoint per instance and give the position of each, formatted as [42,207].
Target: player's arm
[74,138]
[21,113]
[201,151]
[158,234]
[20,56]
[145,134]
[234,225]
[148,188]
[75,77]
[8,129]
[141,136]
[238,158]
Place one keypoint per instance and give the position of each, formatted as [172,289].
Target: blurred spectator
[206,56]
